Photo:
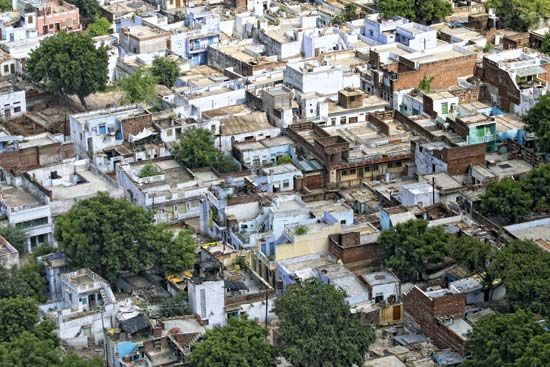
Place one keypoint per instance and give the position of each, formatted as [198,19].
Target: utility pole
[433,190]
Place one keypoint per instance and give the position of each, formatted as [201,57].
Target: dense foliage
[240,343]
[165,70]
[140,87]
[538,119]
[175,306]
[412,246]
[317,328]
[196,149]
[422,11]
[69,63]
[99,27]
[503,340]
[15,236]
[25,282]
[525,272]
[110,235]
[148,170]
[514,200]
[88,9]
[478,257]
[520,15]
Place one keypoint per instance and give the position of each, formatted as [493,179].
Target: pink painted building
[56,16]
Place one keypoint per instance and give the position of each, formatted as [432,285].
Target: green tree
[196,149]
[478,257]
[400,8]
[284,159]
[537,186]
[507,199]
[175,306]
[140,87]
[148,170]
[16,236]
[26,282]
[99,27]
[525,272]
[73,360]
[412,246]
[5,5]
[166,71]
[311,314]
[110,235]
[538,122]
[423,11]
[500,340]
[428,11]
[520,15]
[350,11]
[16,315]
[88,9]
[240,343]
[546,44]
[69,63]
[425,84]
[180,255]
[537,353]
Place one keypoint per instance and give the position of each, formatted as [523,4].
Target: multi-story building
[516,79]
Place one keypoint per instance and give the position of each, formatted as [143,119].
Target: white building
[421,194]
[382,285]
[94,131]
[88,308]
[320,77]
[12,101]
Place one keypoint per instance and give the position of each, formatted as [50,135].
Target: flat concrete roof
[93,185]
[15,197]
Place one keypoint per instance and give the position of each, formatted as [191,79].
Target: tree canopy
[525,272]
[311,314]
[17,315]
[240,343]
[140,87]
[538,121]
[196,149]
[478,257]
[69,63]
[520,15]
[412,246]
[5,5]
[88,9]
[99,27]
[15,236]
[422,11]
[165,70]
[514,200]
[546,44]
[110,235]
[537,353]
[26,282]
[501,340]
[507,199]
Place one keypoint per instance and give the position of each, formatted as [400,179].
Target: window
[37,240]
[169,132]
[17,109]
[6,69]
[102,129]
[32,223]
[286,184]
[444,108]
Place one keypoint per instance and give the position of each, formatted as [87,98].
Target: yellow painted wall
[308,243]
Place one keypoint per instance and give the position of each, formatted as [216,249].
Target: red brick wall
[134,125]
[445,338]
[460,158]
[425,311]
[445,72]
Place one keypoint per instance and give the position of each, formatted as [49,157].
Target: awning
[530,70]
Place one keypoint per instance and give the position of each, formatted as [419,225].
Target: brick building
[443,65]
[437,313]
[56,16]
[356,246]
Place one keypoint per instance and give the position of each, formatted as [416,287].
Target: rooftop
[379,277]
[235,125]
[17,198]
